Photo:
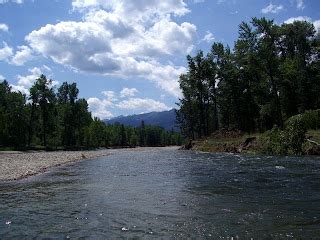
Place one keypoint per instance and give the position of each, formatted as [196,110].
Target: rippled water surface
[166,193]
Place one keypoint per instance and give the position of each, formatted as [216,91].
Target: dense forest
[50,119]
[271,74]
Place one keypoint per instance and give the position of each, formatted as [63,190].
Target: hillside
[164,119]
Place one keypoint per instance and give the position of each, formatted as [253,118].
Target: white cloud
[164,76]
[300,4]
[5,52]
[18,88]
[26,81]
[208,37]
[110,95]
[76,44]
[13,1]
[138,10]
[99,108]
[145,104]
[271,8]
[315,23]
[300,18]
[229,2]
[46,68]
[128,92]
[2,77]
[4,27]
[120,38]
[167,38]
[23,55]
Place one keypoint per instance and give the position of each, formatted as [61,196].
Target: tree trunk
[44,124]
[30,132]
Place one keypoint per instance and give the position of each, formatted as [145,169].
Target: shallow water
[166,193]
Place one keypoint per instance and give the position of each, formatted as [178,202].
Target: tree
[268,52]
[67,97]
[13,117]
[297,54]
[134,139]
[142,133]
[271,74]
[123,136]
[42,95]
[4,92]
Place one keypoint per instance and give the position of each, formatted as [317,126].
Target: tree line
[271,74]
[58,119]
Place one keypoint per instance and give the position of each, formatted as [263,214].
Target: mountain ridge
[164,119]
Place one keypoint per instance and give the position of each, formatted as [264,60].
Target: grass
[7,149]
[213,144]
[315,135]
[220,144]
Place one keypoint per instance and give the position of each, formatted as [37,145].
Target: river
[165,193]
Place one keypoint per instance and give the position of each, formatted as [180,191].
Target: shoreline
[16,165]
[19,165]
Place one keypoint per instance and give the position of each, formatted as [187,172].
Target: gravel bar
[18,165]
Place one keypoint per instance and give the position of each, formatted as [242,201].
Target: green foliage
[272,142]
[13,117]
[272,73]
[289,141]
[53,120]
[43,98]
[96,134]
[311,119]
[295,131]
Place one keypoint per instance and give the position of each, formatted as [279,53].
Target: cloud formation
[299,18]
[138,10]
[271,8]
[4,27]
[5,52]
[146,104]
[315,23]
[11,1]
[26,81]
[101,108]
[120,38]
[300,4]
[128,92]
[208,37]
[23,55]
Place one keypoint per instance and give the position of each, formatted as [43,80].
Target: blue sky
[125,55]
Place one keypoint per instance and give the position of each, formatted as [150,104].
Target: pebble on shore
[17,165]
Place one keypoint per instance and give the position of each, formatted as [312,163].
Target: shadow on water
[165,193]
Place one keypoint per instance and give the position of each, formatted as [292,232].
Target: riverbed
[17,165]
[166,193]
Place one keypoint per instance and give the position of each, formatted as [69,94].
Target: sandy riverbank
[17,165]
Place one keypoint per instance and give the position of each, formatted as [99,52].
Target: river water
[166,193]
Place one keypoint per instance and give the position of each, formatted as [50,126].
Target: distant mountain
[164,119]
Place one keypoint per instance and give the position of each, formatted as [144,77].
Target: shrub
[295,132]
[311,119]
[272,142]
[289,141]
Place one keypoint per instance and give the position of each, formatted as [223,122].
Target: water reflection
[160,193]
